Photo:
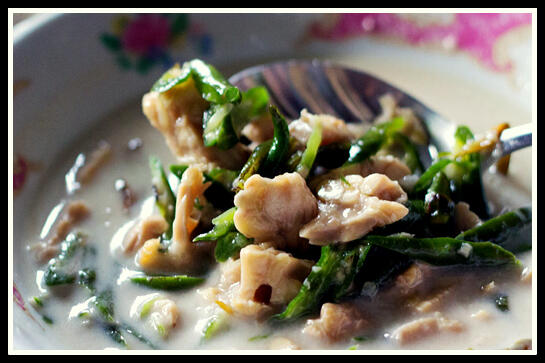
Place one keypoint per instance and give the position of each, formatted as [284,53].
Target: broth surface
[461,102]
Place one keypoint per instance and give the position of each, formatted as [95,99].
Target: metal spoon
[323,87]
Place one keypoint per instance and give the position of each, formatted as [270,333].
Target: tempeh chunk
[274,210]
[351,208]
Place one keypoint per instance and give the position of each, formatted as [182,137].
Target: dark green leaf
[280,144]
[212,85]
[511,230]
[329,278]
[446,251]
[62,269]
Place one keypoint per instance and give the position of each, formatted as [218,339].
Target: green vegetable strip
[280,143]
[410,157]
[330,277]
[461,136]
[130,330]
[215,325]
[212,85]
[230,245]
[223,177]
[360,255]
[253,104]
[218,128]
[426,178]
[223,123]
[219,194]
[315,286]
[438,202]
[511,230]
[222,225]
[61,269]
[446,251]
[171,78]
[416,221]
[252,165]
[228,240]
[373,140]
[467,181]
[104,305]
[175,282]
[178,170]
[309,155]
[229,110]
[165,199]
[467,184]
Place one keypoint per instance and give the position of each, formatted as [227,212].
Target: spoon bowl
[323,87]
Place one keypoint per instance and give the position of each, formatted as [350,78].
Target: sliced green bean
[426,178]
[511,230]
[311,150]
[175,282]
[165,200]
[371,142]
[252,165]
[280,144]
[222,225]
[438,202]
[330,278]
[446,251]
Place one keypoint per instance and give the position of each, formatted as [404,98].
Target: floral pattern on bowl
[141,41]
[500,42]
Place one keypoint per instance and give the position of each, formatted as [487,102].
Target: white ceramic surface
[65,80]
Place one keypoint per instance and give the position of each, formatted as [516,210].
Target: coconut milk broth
[108,219]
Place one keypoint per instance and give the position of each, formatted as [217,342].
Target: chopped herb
[47,319]
[361,339]
[258,337]
[343,179]
[216,324]
[37,301]
[174,282]
[502,302]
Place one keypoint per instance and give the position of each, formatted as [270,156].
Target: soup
[167,234]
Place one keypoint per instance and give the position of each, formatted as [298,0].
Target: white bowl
[66,78]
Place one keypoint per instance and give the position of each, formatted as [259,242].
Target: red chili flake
[263,294]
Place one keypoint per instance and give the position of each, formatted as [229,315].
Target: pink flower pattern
[470,32]
[145,33]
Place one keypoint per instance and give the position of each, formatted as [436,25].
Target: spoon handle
[511,139]
[515,138]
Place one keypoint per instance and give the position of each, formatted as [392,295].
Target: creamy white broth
[105,227]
